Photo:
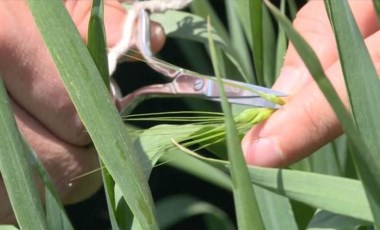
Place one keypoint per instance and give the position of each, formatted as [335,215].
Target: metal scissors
[184,82]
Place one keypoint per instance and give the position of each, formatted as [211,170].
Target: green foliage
[326,183]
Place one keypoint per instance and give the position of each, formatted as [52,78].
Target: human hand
[307,121]
[43,110]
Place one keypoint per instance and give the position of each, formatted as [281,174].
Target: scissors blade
[242,93]
[237,90]
[251,101]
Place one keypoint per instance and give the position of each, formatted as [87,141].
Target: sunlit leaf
[94,106]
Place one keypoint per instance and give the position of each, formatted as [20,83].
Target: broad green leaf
[175,208]
[94,106]
[7,227]
[157,144]
[324,219]
[330,193]
[246,209]
[363,87]
[15,170]
[275,210]
[334,194]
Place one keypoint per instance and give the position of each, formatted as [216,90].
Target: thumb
[304,124]
[313,24]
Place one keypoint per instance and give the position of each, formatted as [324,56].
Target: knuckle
[71,130]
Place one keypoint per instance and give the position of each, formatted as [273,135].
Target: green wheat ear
[253,116]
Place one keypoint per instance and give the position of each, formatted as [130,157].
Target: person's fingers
[304,124]
[301,126]
[312,22]
[114,15]
[30,75]
[63,161]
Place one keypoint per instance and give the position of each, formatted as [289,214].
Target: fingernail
[263,152]
[290,79]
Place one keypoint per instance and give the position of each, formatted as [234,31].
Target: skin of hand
[42,108]
[307,121]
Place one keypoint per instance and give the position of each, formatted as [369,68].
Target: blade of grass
[97,46]
[187,207]
[156,147]
[256,22]
[328,220]
[204,9]
[55,212]
[94,106]
[281,43]
[363,86]
[367,164]
[276,210]
[246,208]
[330,193]
[8,227]
[376,4]
[326,192]
[193,27]
[15,171]
[238,40]
[269,49]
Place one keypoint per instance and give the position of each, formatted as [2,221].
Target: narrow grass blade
[94,106]
[97,46]
[204,9]
[238,38]
[247,213]
[173,209]
[198,168]
[275,210]
[55,212]
[281,42]
[363,87]
[376,3]
[15,171]
[256,22]
[193,27]
[270,44]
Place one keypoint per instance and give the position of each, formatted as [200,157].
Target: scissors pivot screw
[198,84]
